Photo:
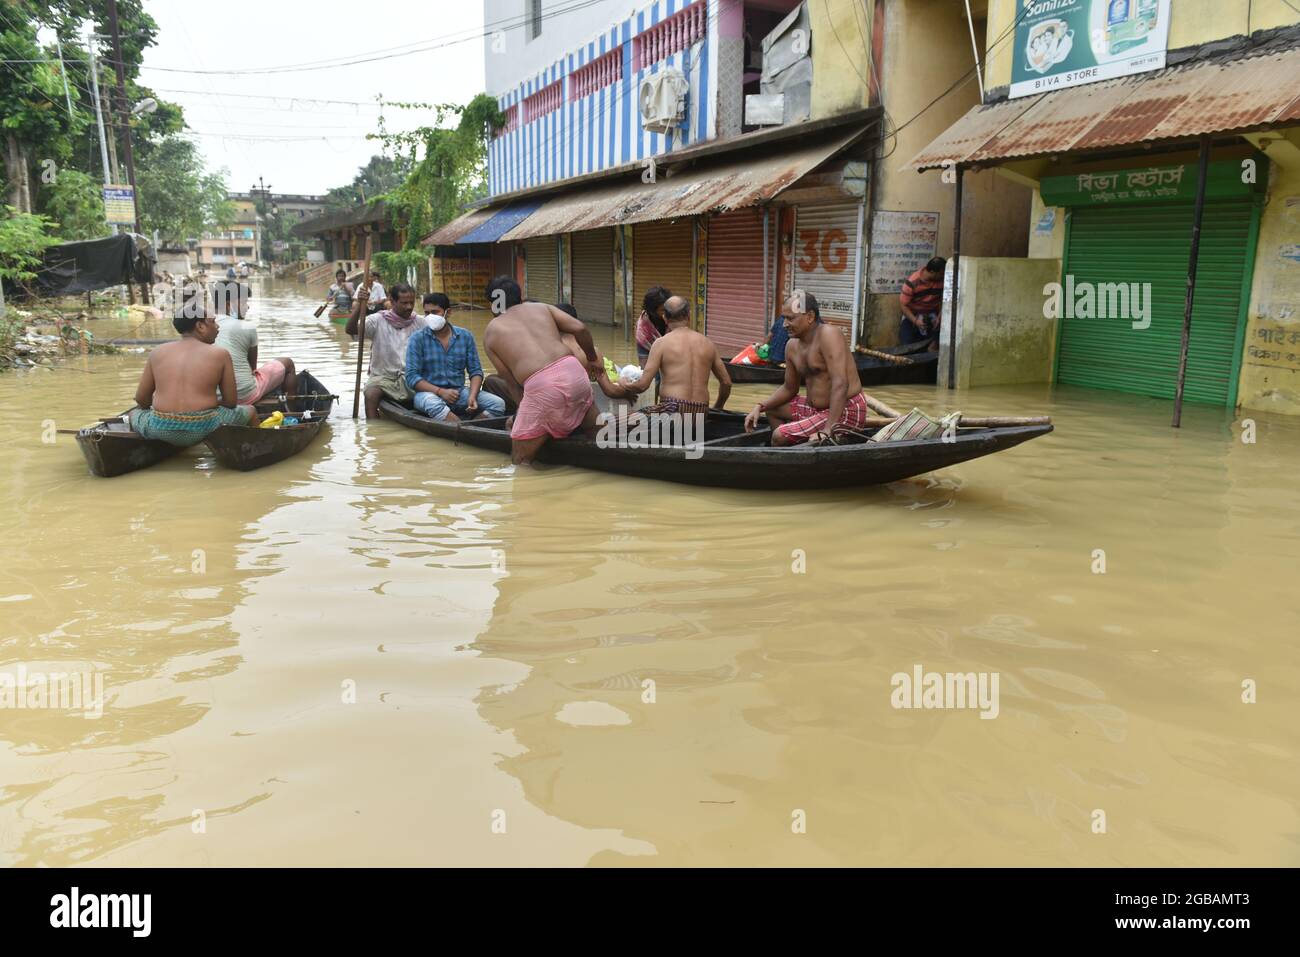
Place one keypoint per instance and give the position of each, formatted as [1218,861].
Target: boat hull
[733,459]
[111,449]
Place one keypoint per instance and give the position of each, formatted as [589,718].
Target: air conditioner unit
[662,99]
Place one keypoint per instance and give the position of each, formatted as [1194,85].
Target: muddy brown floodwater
[497,628]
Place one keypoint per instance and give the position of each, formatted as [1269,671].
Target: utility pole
[99,115]
[123,111]
[126,125]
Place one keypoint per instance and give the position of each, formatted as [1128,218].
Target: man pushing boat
[181,379]
[525,343]
[817,356]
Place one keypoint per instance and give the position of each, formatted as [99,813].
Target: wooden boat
[250,447]
[111,448]
[731,458]
[340,318]
[921,368]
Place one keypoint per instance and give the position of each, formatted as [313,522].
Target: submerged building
[730,150]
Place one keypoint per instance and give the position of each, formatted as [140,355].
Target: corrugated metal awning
[716,186]
[448,233]
[501,222]
[1178,103]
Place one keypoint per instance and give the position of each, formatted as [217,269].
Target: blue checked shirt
[446,368]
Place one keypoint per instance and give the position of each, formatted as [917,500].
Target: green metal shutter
[1141,244]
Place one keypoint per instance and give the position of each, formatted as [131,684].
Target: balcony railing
[596,75]
[681,30]
[545,100]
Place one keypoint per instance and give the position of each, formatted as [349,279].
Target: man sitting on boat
[340,294]
[439,358]
[388,334]
[379,299]
[525,343]
[239,337]
[180,380]
[686,360]
[817,356]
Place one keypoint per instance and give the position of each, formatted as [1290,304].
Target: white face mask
[436,322]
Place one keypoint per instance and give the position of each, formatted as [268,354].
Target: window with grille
[596,75]
[665,38]
[544,101]
[512,120]
[532,19]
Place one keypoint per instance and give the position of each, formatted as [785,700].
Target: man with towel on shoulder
[388,334]
[525,342]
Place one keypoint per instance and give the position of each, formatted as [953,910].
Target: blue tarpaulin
[501,222]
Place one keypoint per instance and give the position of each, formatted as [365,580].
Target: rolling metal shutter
[1151,244]
[825,253]
[736,302]
[593,275]
[542,269]
[662,255]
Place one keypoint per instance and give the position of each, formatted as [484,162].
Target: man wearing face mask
[439,358]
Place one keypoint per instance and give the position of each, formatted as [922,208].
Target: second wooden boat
[112,449]
[920,368]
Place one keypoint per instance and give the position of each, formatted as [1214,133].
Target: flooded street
[496,627]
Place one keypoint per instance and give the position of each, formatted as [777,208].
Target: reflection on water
[392,650]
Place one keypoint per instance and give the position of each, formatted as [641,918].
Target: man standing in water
[181,379]
[388,333]
[817,356]
[525,343]
[686,359]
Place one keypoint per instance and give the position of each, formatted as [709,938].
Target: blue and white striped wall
[603,129]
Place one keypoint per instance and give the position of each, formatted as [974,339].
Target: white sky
[246,34]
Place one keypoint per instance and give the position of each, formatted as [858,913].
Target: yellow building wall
[1270,378]
[1191,22]
[841,39]
[995,210]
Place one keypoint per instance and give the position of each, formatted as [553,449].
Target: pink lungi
[268,377]
[556,400]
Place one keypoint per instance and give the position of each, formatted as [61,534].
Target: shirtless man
[686,359]
[512,392]
[525,343]
[181,379]
[816,356]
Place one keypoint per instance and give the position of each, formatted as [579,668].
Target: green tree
[453,170]
[380,175]
[74,201]
[23,237]
[177,197]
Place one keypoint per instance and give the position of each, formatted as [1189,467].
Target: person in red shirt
[922,302]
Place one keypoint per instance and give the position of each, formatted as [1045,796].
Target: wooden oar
[361,326]
[885,356]
[318,312]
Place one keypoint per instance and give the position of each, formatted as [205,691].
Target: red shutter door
[736,302]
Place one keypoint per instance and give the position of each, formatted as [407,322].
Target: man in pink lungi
[524,343]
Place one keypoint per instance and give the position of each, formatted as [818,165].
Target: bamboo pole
[361,327]
[1202,165]
[875,405]
[974,422]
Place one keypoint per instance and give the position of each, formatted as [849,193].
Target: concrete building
[242,241]
[731,150]
[1106,112]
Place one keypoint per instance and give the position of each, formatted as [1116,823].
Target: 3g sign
[827,250]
